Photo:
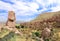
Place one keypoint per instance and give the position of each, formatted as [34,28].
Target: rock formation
[11,19]
[38,23]
[46,32]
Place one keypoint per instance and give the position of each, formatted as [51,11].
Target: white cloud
[5,6]
[55,9]
[22,7]
[29,8]
[34,6]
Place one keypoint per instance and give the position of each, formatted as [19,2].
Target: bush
[18,27]
[37,34]
[46,40]
[22,26]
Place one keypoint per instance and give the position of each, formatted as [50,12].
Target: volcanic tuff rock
[11,19]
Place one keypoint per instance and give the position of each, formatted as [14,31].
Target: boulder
[46,33]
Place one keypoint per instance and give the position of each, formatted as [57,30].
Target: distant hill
[18,22]
[46,15]
[38,22]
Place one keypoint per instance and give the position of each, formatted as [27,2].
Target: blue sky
[27,10]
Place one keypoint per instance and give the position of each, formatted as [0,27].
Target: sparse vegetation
[17,26]
[32,30]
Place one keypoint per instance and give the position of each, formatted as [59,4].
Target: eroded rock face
[11,19]
[46,33]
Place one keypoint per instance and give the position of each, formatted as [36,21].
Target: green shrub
[22,26]
[37,34]
[18,27]
[46,40]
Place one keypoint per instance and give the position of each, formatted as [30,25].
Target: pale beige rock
[11,15]
[46,33]
[11,24]
[41,39]
[11,19]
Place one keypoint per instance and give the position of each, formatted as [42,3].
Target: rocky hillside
[47,15]
[31,31]
[41,21]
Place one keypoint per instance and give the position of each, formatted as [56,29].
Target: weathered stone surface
[11,15]
[46,33]
[11,19]
[41,39]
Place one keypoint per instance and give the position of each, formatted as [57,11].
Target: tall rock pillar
[11,19]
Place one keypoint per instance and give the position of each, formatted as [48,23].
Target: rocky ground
[27,35]
[32,31]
